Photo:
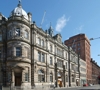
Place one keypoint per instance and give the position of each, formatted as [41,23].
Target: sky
[67,17]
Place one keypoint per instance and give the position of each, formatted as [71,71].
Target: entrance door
[18,79]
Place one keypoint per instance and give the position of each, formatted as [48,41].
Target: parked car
[85,84]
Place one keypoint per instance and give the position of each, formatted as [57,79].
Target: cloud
[61,23]
[80,28]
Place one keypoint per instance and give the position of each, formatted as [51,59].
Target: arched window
[41,76]
[51,77]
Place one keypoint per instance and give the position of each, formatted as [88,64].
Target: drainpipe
[69,66]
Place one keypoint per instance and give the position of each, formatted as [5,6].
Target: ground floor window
[73,79]
[26,77]
[41,76]
[51,77]
[66,78]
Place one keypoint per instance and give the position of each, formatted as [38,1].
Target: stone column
[22,83]
[12,73]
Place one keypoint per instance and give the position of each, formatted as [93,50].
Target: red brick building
[95,72]
[81,45]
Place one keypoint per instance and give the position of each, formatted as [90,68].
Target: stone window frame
[59,63]
[26,34]
[41,57]
[66,78]
[66,55]
[26,77]
[41,75]
[66,65]
[42,42]
[26,73]
[39,41]
[72,66]
[59,52]
[20,51]
[51,77]
[51,60]
[73,78]
[51,48]
[9,33]
[18,31]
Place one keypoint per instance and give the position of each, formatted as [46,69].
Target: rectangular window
[17,32]
[72,66]
[50,48]
[43,58]
[66,78]
[39,78]
[26,77]
[51,62]
[26,35]
[18,51]
[66,65]
[72,79]
[51,78]
[42,43]
[39,41]
[39,56]
[60,63]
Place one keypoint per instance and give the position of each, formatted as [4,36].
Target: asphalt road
[94,87]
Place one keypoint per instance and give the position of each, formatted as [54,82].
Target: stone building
[95,72]
[83,72]
[31,56]
[81,45]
